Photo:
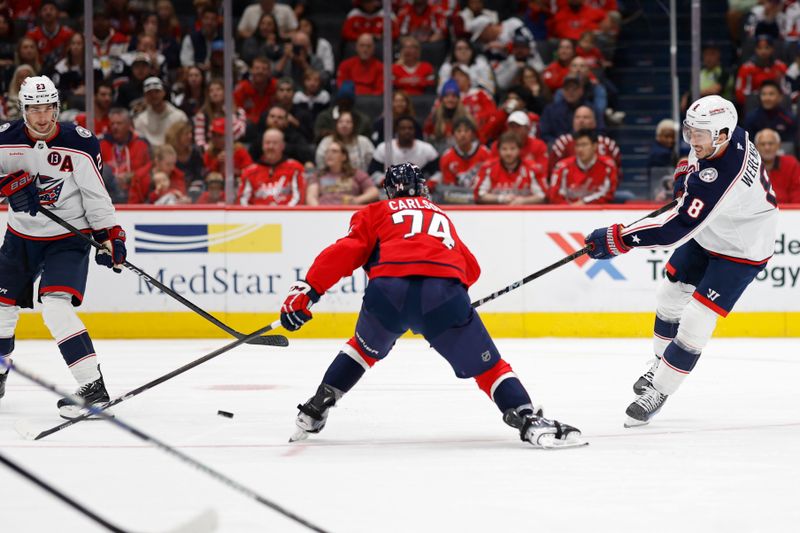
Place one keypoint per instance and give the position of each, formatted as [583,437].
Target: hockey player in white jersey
[724,225]
[45,164]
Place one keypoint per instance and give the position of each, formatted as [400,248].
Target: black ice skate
[646,379]
[3,378]
[542,432]
[314,413]
[645,407]
[94,393]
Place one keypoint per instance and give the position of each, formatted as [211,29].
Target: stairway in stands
[642,76]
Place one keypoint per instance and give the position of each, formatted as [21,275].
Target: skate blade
[550,442]
[300,434]
[69,412]
[633,423]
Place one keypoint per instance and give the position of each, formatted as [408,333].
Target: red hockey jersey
[396,238]
[461,169]
[596,184]
[751,76]
[534,151]
[495,178]
[413,82]
[279,184]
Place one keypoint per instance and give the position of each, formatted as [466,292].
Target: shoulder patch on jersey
[83,132]
[5,126]
[708,174]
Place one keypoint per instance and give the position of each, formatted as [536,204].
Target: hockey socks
[503,386]
[348,367]
[663,333]
[6,347]
[78,352]
[678,361]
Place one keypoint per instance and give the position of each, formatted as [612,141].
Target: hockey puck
[226,414]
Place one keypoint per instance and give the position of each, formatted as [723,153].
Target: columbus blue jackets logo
[49,189]
[708,174]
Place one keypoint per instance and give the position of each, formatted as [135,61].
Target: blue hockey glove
[606,243]
[295,310]
[22,198]
[113,253]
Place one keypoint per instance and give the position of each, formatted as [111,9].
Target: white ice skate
[542,432]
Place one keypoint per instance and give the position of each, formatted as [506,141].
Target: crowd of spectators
[509,109]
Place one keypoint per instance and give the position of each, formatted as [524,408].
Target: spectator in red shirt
[164,193]
[585,178]
[254,95]
[573,20]
[165,160]
[422,20]
[460,164]
[480,105]
[215,190]
[365,70]
[587,49]
[564,145]
[783,170]
[273,180]
[214,157]
[532,149]
[412,76]
[103,96]
[50,35]
[508,179]
[366,17]
[555,72]
[762,66]
[126,159]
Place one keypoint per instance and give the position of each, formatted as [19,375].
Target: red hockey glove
[21,196]
[295,310]
[113,253]
[606,243]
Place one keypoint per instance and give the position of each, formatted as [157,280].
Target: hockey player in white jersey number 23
[724,225]
[45,164]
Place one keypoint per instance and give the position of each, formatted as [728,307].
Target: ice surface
[412,448]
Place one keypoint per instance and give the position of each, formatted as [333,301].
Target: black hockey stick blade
[26,431]
[267,340]
[174,452]
[561,262]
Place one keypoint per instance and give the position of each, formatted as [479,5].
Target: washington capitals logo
[563,242]
[49,189]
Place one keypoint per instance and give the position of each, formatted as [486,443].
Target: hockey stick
[267,340]
[202,523]
[23,428]
[235,485]
[561,262]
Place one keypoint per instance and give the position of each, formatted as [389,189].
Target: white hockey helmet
[36,90]
[713,114]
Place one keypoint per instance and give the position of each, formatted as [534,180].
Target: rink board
[238,263]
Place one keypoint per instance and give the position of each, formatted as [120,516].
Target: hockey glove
[679,177]
[22,198]
[605,243]
[113,253]
[295,312]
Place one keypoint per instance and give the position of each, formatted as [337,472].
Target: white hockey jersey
[68,168]
[728,208]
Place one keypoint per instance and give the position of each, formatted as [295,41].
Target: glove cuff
[106,234]
[614,240]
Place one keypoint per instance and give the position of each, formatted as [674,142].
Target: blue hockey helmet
[405,179]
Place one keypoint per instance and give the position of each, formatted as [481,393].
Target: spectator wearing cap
[364,69]
[783,170]
[103,98]
[509,179]
[495,38]
[460,164]
[254,94]
[574,19]
[584,118]
[410,74]
[148,44]
[464,54]
[556,71]
[215,190]
[214,156]
[196,46]
[284,17]
[273,179]
[366,17]
[478,102]
[132,90]
[126,160]
[359,147]
[438,127]
[465,23]
[344,100]
[761,67]
[531,149]
[159,114]
[585,178]
[772,114]
[51,37]
[557,117]
[422,20]
[406,149]
[509,70]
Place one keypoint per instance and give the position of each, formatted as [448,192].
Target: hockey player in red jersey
[419,272]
